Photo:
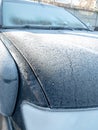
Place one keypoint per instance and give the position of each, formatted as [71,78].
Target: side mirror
[8,82]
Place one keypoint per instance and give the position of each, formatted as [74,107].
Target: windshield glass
[36,15]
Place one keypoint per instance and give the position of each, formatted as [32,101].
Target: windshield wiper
[59,28]
[82,29]
[47,27]
[39,27]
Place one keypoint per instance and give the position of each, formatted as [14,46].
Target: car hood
[65,63]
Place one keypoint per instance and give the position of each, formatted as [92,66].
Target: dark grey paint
[8,82]
[29,88]
[67,66]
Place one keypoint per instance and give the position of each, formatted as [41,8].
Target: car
[48,69]
[96,29]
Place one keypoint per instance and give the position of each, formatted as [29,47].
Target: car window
[34,14]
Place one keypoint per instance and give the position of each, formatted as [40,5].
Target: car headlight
[37,118]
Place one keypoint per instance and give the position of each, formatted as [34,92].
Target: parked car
[48,69]
[96,29]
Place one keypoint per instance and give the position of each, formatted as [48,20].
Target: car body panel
[29,87]
[8,81]
[56,69]
[48,119]
[62,62]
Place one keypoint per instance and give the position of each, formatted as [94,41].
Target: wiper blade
[60,28]
[82,29]
[38,27]
[48,27]
[24,27]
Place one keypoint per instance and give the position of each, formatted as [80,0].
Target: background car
[48,69]
[96,29]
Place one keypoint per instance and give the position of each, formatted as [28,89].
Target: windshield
[38,15]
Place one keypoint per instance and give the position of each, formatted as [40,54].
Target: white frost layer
[18,14]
